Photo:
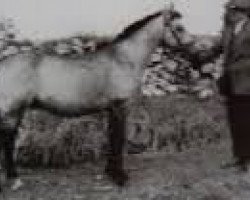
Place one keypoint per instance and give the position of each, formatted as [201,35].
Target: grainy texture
[167,169]
[181,141]
[173,123]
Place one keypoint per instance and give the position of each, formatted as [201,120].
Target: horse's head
[175,33]
[140,38]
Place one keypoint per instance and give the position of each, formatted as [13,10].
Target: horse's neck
[137,48]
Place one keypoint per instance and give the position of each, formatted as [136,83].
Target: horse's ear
[167,12]
[166,15]
[171,6]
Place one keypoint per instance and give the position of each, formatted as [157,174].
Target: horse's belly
[70,87]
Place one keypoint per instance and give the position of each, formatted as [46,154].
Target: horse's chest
[124,82]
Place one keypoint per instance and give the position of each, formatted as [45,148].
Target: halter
[175,35]
[168,23]
[239,9]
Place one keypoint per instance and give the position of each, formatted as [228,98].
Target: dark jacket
[236,36]
[235,83]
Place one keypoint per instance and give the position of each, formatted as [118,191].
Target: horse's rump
[16,81]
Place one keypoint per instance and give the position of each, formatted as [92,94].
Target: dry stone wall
[193,70]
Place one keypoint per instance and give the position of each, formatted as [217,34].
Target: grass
[172,123]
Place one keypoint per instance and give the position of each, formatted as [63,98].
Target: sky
[48,19]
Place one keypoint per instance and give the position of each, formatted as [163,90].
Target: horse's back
[64,83]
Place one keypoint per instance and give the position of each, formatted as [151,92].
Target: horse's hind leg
[116,137]
[8,132]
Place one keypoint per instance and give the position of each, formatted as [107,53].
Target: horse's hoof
[118,176]
[17,184]
[227,165]
[240,164]
[243,167]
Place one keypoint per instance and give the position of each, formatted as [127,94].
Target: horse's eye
[180,28]
[166,24]
[176,15]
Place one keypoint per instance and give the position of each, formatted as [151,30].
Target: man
[236,80]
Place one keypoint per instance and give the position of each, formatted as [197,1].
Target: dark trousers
[239,119]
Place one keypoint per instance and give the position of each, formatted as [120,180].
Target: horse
[102,81]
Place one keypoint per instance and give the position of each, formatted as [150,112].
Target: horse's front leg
[116,138]
[9,148]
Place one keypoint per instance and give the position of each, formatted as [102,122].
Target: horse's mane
[134,27]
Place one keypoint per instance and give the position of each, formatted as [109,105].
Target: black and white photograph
[124,100]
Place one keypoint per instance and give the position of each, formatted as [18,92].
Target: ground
[187,144]
[194,174]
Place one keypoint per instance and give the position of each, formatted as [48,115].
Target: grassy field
[182,143]
[173,123]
